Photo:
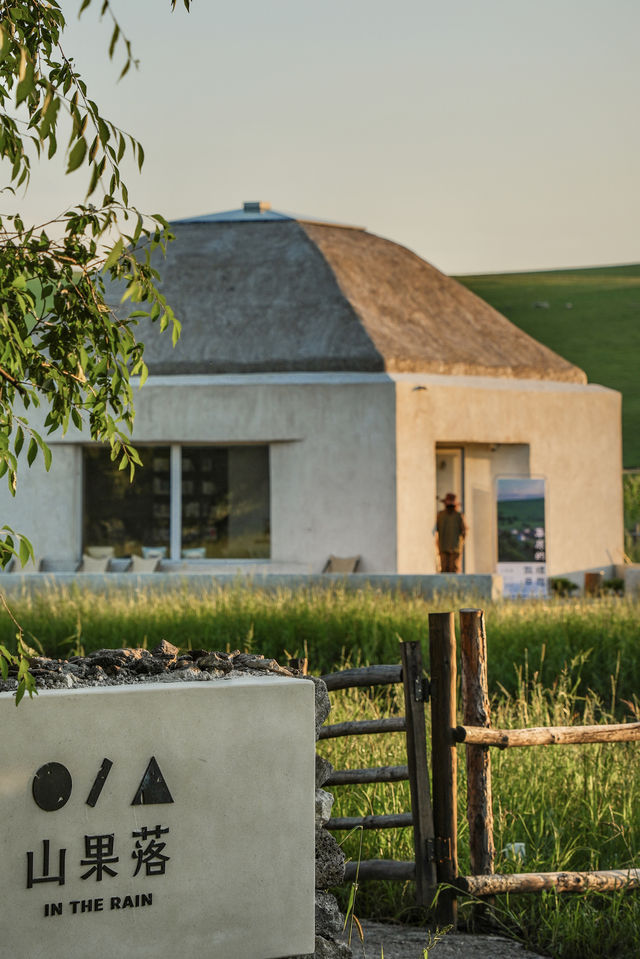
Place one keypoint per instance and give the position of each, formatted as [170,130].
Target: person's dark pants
[449,562]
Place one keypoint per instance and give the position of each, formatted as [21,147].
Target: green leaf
[26,84]
[95,177]
[114,255]
[32,451]
[5,42]
[19,441]
[77,155]
[114,40]
[25,552]
[103,130]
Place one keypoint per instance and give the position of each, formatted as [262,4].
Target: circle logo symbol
[52,786]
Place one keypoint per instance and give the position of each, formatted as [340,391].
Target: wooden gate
[416,692]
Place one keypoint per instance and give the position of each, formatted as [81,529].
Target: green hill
[591,317]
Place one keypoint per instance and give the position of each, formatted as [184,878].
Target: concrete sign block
[160,821]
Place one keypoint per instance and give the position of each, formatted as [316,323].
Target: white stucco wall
[47,507]
[352,460]
[573,434]
[332,461]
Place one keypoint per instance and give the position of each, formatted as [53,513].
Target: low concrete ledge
[486,587]
[631,576]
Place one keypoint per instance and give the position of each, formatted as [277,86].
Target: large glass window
[193,502]
[129,517]
[225,501]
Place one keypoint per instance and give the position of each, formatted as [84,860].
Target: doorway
[449,479]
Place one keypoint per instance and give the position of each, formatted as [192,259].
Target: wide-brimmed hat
[450,500]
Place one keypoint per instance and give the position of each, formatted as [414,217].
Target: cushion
[154,552]
[90,564]
[99,552]
[341,564]
[141,565]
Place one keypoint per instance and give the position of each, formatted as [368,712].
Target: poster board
[521,536]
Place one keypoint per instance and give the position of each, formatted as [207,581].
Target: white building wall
[47,507]
[353,462]
[332,461]
[573,434]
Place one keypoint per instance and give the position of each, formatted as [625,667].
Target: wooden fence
[434,811]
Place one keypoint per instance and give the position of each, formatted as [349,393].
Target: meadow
[330,626]
[553,662]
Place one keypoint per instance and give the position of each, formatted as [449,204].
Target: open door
[449,479]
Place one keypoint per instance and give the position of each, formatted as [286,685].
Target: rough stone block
[329,919]
[323,705]
[323,770]
[324,802]
[329,860]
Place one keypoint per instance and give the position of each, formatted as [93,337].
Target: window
[194,502]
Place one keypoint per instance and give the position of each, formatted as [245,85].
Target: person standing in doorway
[451,530]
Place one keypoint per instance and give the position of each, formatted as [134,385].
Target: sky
[489,136]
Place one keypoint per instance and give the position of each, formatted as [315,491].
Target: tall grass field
[333,625]
[554,662]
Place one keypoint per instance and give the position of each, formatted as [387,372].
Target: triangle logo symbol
[153,788]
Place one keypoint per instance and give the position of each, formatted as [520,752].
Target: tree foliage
[631,492]
[61,346]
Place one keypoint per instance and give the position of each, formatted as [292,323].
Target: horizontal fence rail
[363,676]
[389,821]
[380,869]
[364,727]
[522,882]
[547,735]
[378,774]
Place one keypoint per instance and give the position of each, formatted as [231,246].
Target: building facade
[328,389]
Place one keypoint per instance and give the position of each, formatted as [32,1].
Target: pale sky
[485,135]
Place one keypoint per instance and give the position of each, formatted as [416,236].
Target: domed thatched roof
[257,290]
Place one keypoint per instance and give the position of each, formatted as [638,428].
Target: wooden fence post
[442,650]
[476,712]
[415,694]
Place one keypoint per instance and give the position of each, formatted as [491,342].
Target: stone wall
[329,855]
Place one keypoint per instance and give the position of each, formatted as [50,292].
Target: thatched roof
[279,294]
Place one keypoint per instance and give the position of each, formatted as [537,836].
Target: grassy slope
[600,333]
